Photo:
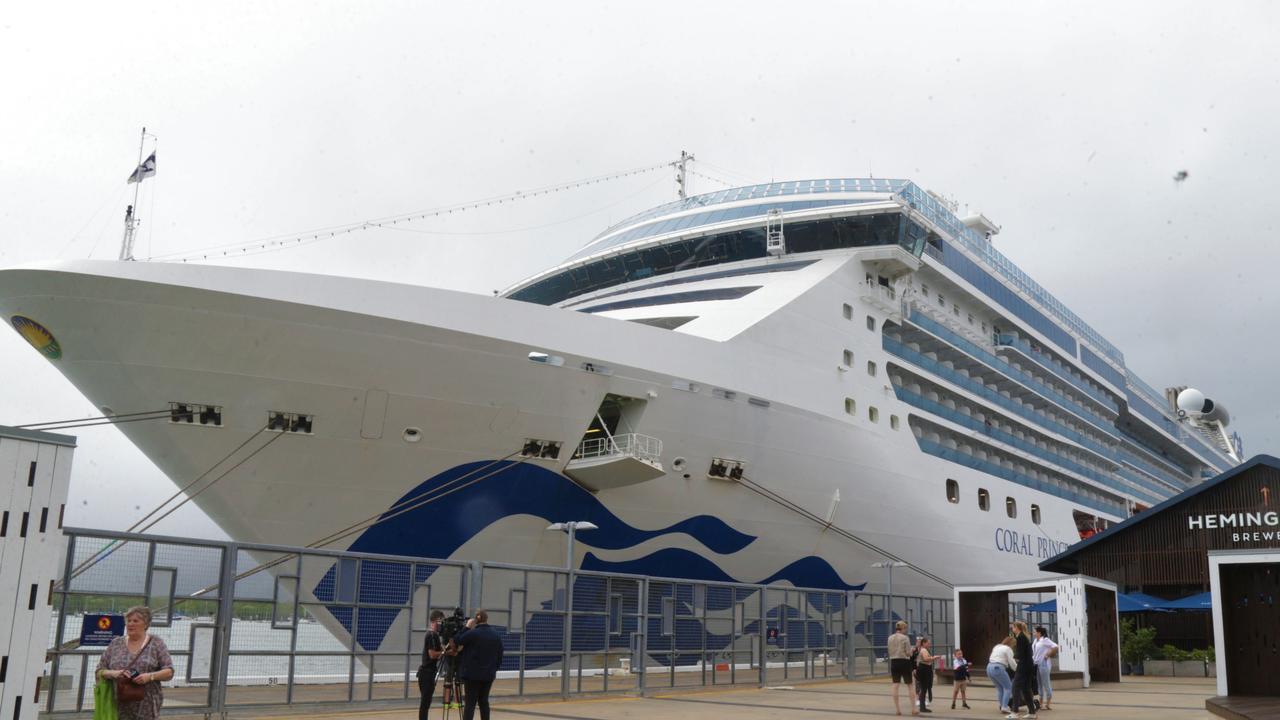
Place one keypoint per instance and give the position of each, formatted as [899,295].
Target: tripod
[452,689]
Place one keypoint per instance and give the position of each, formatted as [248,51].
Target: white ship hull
[875,382]
[456,367]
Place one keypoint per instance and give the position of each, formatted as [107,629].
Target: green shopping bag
[104,700]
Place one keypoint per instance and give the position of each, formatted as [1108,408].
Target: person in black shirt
[432,649]
[481,649]
[1025,674]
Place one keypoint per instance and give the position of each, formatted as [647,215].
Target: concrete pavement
[1135,699]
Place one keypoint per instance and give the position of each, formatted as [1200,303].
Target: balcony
[605,463]
[939,450]
[1047,362]
[1002,366]
[966,383]
[970,423]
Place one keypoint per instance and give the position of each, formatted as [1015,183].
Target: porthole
[678,464]
[412,435]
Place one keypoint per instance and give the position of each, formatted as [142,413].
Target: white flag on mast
[145,170]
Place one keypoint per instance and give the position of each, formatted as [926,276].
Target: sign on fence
[100,630]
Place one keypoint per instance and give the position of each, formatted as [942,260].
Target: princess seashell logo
[38,335]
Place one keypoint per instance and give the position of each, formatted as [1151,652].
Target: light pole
[890,565]
[571,528]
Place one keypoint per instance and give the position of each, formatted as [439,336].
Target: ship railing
[1048,363]
[973,336]
[1001,365]
[895,347]
[882,297]
[641,447]
[985,428]
[954,455]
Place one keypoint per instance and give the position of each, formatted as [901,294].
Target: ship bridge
[736,225]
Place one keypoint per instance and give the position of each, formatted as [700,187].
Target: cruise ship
[780,383]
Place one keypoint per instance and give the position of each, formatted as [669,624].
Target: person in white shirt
[1043,650]
[1000,667]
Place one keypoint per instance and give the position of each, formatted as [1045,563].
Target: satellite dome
[1191,400]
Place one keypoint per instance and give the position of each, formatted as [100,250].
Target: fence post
[61,625]
[762,639]
[565,685]
[475,585]
[642,645]
[850,667]
[222,643]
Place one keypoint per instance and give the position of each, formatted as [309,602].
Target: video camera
[452,625]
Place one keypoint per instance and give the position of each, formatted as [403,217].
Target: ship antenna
[682,169]
[131,221]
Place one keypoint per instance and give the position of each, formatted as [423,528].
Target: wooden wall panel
[984,621]
[1251,627]
[1163,550]
[1104,650]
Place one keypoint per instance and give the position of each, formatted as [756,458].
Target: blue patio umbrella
[1151,600]
[1046,606]
[1201,601]
[1124,604]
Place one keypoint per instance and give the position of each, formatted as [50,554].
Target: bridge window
[871,368]
[718,248]
[848,358]
[871,323]
[1035,514]
[848,311]
[1011,507]
[873,414]
[850,406]
[984,499]
[953,491]
[893,421]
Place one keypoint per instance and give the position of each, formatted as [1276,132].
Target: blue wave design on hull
[512,489]
[459,511]
[811,571]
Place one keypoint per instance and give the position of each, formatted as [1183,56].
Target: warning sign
[99,630]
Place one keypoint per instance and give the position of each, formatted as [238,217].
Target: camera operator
[481,649]
[432,649]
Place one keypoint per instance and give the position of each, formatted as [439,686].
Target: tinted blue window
[714,249]
[1096,364]
[732,293]
[737,272]
[997,291]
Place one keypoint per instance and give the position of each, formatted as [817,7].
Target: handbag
[104,701]
[126,689]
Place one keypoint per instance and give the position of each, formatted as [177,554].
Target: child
[961,668]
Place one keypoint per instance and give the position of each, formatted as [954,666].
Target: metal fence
[250,626]
[873,617]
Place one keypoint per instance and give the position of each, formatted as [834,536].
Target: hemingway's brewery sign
[1260,526]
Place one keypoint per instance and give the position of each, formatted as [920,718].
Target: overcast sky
[1064,122]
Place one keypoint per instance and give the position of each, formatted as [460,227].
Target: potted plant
[1136,645]
[1208,658]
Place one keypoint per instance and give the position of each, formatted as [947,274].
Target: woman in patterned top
[142,655]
